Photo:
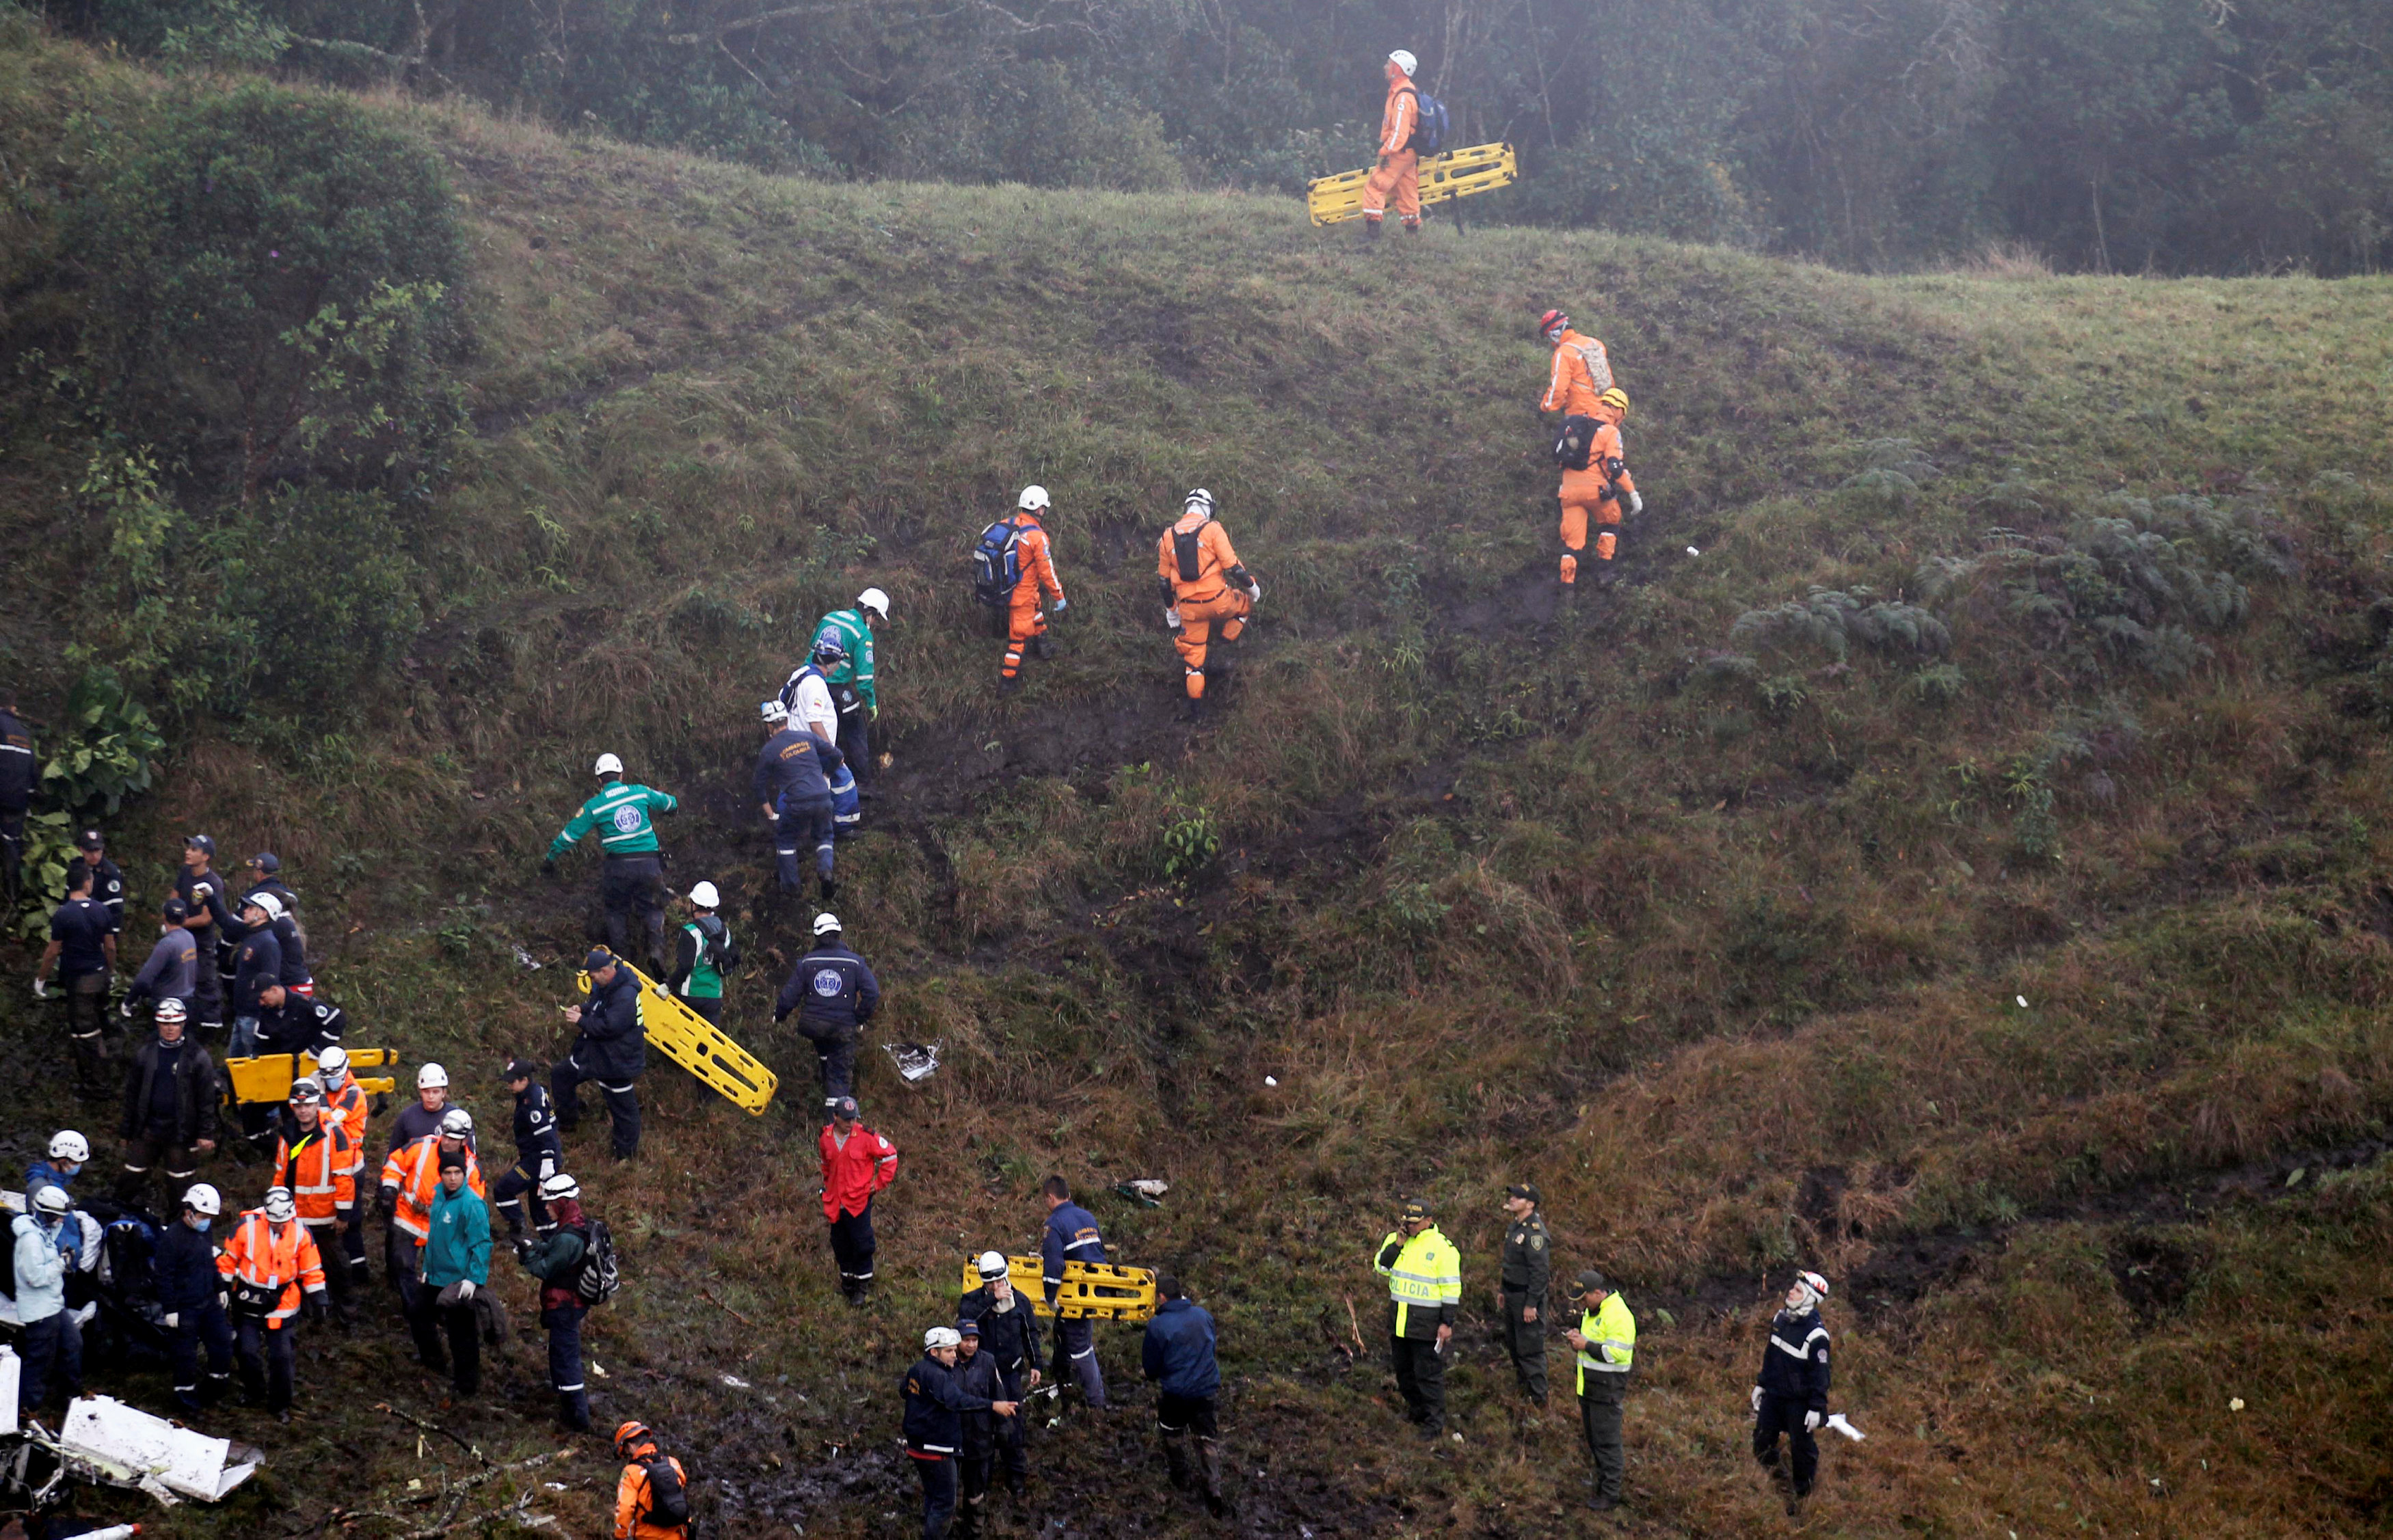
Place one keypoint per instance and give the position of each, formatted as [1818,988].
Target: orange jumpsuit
[1582,373]
[632,1499]
[1399,168]
[1204,599]
[1024,618]
[1599,490]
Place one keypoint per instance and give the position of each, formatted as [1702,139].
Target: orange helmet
[628,1436]
[1551,322]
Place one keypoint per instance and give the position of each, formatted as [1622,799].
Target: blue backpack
[997,562]
[846,811]
[1430,124]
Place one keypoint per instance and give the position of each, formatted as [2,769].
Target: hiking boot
[1603,1504]
[1007,686]
[1371,230]
[1040,649]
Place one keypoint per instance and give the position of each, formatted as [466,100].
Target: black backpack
[720,949]
[1575,442]
[667,1496]
[1190,552]
[598,1277]
[997,562]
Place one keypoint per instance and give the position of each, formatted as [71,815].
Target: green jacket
[458,1242]
[555,1257]
[620,813]
[848,627]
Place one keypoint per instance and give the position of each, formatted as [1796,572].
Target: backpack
[997,562]
[1430,124]
[1576,442]
[1599,363]
[598,1277]
[667,1497]
[720,949]
[1190,552]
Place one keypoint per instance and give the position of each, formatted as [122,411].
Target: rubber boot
[1371,230]
[1209,1466]
[1007,686]
[1039,647]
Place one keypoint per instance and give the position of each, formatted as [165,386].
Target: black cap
[265,861]
[521,1069]
[1590,1278]
[453,1160]
[844,1107]
[599,958]
[202,844]
[968,1327]
[90,838]
[1416,1210]
[1524,1190]
[175,911]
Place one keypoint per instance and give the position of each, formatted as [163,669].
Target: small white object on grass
[1837,1420]
[2022,1001]
[735,1382]
[1693,551]
[2236,1405]
[1270,1081]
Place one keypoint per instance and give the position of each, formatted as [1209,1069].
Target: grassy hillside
[1952,858]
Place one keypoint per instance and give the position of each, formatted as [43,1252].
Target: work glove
[41,989]
[224,1299]
[1757,1401]
[1060,605]
[522,1244]
[316,1305]
[663,993]
[386,1202]
[1636,504]
[465,1288]
[126,1011]
[1172,617]
[876,713]
[174,1319]
[1254,591]
[1811,1421]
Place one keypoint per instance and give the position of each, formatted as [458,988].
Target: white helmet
[826,922]
[200,1198]
[875,601]
[942,1337]
[431,1076]
[704,897]
[1404,60]
[67,1144]
[266,901]
[170,1009]
[1034,497]
[279,1207]
[1197,498]
[306,1088]
[51,1201]
[558,1186]
[332,1065]
[771,712]
[607,765]
[993,1266]
[456,1122]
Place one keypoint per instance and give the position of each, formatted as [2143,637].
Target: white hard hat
[306,1088]
[704,897]
[279,1207]
[772,711]
[200,1198]
[826,922]
[1198,498]
[607,765]
[992,1265]
[265,901]
[1404,60]
[456,1122]
[67,1144]
[558,1186]
[1033,496]
[171,1009]
[332,1063]
[431,1076]
[51,1200]
[942,1337]
[1813,1282]
[875,601]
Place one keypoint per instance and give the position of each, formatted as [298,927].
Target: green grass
[1725,958]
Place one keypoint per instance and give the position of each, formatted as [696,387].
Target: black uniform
[170,1105]
[210,921]
[257,966]
[1009,1339]
[540,1154]
[610,1051]
[790,778]
[307,1025]
[18,776]
[1793,1381]
[107,889]
[834,994]
[1528,1269]
[81,927]
[976,1377]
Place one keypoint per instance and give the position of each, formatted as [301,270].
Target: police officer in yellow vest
[1424,1276]
[1606,1344]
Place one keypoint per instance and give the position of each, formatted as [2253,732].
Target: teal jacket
[620,813]
[847,627]
[459,1244]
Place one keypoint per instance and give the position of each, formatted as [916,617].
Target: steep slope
[1951,858]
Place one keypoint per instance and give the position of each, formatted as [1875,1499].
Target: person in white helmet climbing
[631,881]
[1203,584]
[1017,568]
[703,954]
[855,689]
[1398,173]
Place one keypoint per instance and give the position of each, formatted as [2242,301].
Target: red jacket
[851,1174]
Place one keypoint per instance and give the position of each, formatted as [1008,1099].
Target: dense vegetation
[1950,858]
[2108,135]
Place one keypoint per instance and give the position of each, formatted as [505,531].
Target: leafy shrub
[1938,685]
[107,750]
[50,845]
[333,601]
[1831,621]
[1190,843]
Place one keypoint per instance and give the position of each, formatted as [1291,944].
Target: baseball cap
[265,861]
[175,911]
[967,1328]
[1416,1210]
[90,838]
[844,1107]
[1524,1190]
[521,1069]
[1589,1278]
[599,958]
[202,844]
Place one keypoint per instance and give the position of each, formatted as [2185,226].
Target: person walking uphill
[1595,475]
[853,681]
[1202,581]
[609,1050]
[791,784]
[540,1154]
[834,994]
[1032,560]
[1605,1340]
[934,1428]
[1528,1268]
[1071,1236]
[856,1164]
[703,953]
[1424,1276]
[1178,1354]
[1399,169]
[1790,1395]
[631,880]
[82,946]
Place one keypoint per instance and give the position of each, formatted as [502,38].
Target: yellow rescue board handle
[700,1047]
[267,1077]
[1095,1291]
[1456,174]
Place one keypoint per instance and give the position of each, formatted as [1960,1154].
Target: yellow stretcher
[1455,174]
[700,1047]
[267,1077]
[1098,1291]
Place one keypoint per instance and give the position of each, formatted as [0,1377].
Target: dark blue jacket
[185,1267]
[107,889]
[935,1408]
[1010,1337]
[295,952]
[1071,1237]
[1179,1351]
[222,921]
[830,987]
[1794,1360]
[791,768]
[307,1025]
[257,963]
[978,1378]
[18,774]
[81,927]
[536,1135]
[611,1047]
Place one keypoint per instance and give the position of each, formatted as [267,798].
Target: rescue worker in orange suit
[1025,625]
[1202,581]
[312,1156]
[1399,168]
[1580,386]
[407,1180]
[271,1266]
[652,1488]
[345,1104]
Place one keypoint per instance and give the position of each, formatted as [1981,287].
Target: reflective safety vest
[1611,1334]
[415,1170]
[1426,1276]
[316,1171]
[348,1107]
[264,1253]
